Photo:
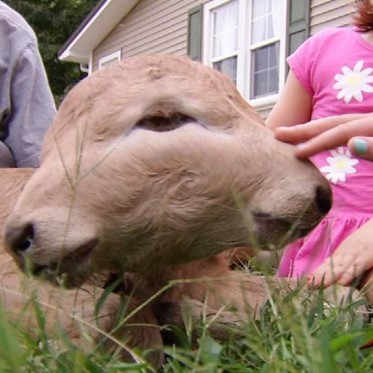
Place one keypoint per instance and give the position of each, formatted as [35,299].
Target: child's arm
[294,105]
[353,258]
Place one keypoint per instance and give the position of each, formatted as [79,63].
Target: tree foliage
[53,22]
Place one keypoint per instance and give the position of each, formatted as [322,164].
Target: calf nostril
[323,199]
[38,270]
[20,239]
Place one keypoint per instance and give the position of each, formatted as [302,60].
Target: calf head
[159,161]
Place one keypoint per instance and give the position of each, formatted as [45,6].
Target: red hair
[363,19]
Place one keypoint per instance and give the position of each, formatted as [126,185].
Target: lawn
[289,336]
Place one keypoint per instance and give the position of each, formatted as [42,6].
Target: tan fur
[70,311]
[115,194]
[136,191]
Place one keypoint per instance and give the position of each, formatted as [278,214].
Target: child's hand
[353,130]
[353,257]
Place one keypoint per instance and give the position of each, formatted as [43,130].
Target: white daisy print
[340,164]
[352,83]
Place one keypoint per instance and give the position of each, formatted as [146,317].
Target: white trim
[264,43]
[242,42]
[223,57]
[90,66]
[284,37]
[76,56]
[115,56]
[264,101]
[84,68]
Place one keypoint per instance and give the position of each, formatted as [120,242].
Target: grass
[288,337]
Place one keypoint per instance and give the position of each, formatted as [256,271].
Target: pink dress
[336,67]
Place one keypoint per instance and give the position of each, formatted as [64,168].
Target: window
[109,59]
[220,39]
[264,45]
[245,39]
[225,39]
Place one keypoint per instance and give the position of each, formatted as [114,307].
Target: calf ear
[194,44]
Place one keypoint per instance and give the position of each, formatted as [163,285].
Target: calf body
[155,167]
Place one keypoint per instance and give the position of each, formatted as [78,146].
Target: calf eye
[160,123]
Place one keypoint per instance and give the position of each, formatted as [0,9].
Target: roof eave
[94,28]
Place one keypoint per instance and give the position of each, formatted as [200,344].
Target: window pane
[265,71]
[273,58]
[266,20]
[270,26]
[228,66]
[260,84]
[269,4]
[258,28]
[259,8]
[225,29]
[273,81]
[276,20]
[261,59]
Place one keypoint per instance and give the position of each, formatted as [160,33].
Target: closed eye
[160,123]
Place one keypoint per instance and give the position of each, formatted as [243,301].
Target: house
[246,39]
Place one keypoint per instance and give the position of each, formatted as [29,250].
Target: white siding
[152,27]
[330,13]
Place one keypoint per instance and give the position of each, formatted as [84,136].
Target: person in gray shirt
[27,107]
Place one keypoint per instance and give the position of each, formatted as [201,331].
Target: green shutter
[194,49]
[298,24]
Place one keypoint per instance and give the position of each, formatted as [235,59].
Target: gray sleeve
[32,108]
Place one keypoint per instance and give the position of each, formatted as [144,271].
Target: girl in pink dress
[331,74]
